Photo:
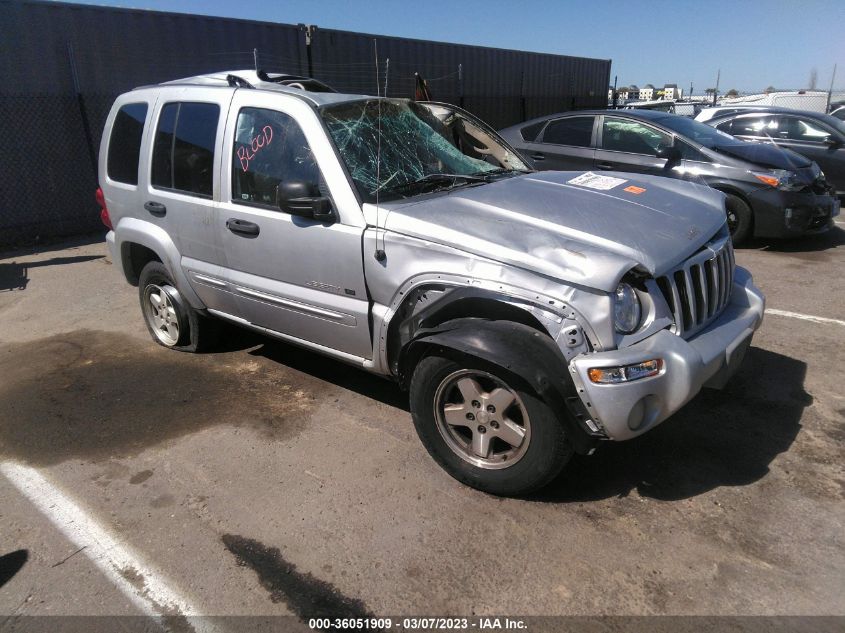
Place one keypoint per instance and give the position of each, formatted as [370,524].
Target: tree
[710,91]
[770,89]
[733,92]
[814,78]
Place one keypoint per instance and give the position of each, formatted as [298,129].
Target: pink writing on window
[247,152]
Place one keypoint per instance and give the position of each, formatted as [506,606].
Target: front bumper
[709,358]
[788,214]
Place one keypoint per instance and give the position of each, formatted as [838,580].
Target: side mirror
[303,199]
[671,153]
[832,142]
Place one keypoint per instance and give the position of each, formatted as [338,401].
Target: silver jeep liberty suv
[530,315]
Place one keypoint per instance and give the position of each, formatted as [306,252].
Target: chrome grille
[700,288]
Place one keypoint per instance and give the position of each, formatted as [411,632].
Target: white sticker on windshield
[596,181]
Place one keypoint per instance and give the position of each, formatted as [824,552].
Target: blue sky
[755,43]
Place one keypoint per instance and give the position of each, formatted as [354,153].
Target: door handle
[155,208]
[605,165]
[538,156]
[242,227]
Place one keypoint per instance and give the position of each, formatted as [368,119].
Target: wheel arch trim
[520,350]
[134,231]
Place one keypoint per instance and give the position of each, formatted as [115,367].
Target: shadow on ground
[721,438]
[15,276]
[831,239]
[335,372]
[11,564]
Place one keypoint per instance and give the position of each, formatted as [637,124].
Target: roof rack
[295,81]
[257,79]
[238,82]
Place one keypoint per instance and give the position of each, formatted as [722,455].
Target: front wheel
[484,428]
[740,218]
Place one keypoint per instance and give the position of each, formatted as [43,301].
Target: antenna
[380,255]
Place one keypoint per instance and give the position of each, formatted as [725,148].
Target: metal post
[830,92]
[255,58]
[375,53]
[461,85]
[716,90]
[615,94]
[386,73]
[522,98]
[83,112]
[309,38]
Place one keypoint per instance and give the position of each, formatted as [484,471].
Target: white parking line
[803,317]
[138,581]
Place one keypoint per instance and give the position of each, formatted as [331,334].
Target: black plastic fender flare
[519,349]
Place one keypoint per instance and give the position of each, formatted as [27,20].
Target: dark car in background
[770,191]
[819,137]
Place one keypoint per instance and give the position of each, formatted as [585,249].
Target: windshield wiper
[451,180]
[502,171]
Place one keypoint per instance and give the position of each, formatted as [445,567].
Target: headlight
[626,309]
[782,179]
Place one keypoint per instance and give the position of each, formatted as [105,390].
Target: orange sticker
[633,189]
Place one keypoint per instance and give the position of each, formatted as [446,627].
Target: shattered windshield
[423,148]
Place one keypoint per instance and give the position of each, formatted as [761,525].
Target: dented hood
[541,222]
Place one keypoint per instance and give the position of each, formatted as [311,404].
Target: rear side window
[183,150]
[753,126]
[576,131]
[125,143]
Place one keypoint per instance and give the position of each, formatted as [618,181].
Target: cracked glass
[397,149]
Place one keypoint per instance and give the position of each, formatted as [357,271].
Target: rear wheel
[169,319]
[485,428]
[740,218]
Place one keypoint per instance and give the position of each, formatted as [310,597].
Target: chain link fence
[67,63]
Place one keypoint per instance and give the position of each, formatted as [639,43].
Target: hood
[541,222]
[765,155]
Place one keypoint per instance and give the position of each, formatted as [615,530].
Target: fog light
[627,373]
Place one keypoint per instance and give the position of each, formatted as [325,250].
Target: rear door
[293,275]
[631,145]
[565,144]
[181,187]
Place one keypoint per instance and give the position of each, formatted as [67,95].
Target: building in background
[647,92]
[672,92]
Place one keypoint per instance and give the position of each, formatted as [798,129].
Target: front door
[293,275]
[632,146]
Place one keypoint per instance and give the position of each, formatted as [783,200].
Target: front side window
[576,131]
[269,148]
[183,149]
[125,143]
[688,152]
[795,129]
[632,137]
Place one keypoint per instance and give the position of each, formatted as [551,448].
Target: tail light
[104,212]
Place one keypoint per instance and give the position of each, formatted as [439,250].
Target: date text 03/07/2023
[418,623]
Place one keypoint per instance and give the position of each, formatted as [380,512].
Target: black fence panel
[64,64]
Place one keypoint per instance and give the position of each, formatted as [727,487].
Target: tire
[171,322]
[740,218]
[438,382]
